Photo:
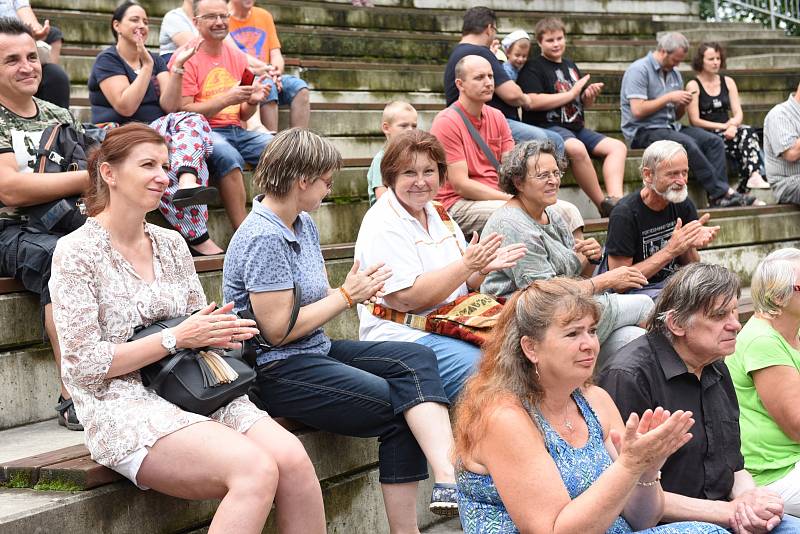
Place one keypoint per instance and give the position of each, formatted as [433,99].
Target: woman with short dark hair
[715,98]
[430,260]
[390,390]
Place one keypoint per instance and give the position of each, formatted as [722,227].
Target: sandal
[193,196]
[66,414]
[443,500]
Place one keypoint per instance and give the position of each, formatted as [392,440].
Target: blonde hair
[393,108]
[773,281]
[292,155]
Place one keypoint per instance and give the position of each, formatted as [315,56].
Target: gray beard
[671,195]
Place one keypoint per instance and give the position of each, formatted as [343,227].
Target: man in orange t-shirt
[212,87]
[253,29]
[471,192]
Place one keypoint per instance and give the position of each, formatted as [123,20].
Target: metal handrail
[788,10]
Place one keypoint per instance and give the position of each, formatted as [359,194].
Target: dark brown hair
[697,61]
[117,146]
[404,147]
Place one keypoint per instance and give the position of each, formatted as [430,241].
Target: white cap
[513,37]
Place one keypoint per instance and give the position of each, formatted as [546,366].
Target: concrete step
[345,466]
[742,32]
[672,7]
[788,60]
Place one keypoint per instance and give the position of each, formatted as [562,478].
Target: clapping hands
[487,256]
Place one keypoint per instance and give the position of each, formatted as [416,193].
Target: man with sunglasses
[213,86]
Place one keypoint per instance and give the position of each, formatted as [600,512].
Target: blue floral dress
[482,511]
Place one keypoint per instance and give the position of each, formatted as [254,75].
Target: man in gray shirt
[653,101]
[782,149]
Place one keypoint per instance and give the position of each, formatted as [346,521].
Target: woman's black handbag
[196,380]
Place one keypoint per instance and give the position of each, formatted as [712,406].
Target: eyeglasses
[328,183]
[546,176]
[796,288]
[212,17]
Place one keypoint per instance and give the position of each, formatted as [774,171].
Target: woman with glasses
[765,370]
[532,173]
[429,257]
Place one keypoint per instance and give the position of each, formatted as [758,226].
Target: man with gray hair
[782,149]
[679,365]
[653,100]
[656,229]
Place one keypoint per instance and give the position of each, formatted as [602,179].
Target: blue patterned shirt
[265,255]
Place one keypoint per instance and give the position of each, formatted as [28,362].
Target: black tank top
[715,108]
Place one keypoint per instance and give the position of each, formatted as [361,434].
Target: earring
[536,371]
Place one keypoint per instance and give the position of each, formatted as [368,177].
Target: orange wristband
[348,300]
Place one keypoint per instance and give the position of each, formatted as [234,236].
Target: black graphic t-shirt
[540,75]
[635,231]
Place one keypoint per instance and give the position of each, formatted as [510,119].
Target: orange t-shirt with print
[207,77]
[256,34]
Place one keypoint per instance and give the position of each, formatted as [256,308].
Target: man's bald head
[470,62]
[475,79]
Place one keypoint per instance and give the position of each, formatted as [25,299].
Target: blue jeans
[290,86]
[526,132]
[789,525]
[233,147]
[360,388]
[457,361]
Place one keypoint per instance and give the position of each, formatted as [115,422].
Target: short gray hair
[294,154]
[658,152]
[515,164]
[671,41]
[695,288]
[773,281]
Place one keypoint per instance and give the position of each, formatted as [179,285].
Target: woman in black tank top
[716,107]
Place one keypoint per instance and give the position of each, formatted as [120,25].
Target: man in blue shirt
[653,100]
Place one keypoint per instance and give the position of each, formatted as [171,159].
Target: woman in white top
[430,260]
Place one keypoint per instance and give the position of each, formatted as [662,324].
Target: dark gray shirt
[648,373]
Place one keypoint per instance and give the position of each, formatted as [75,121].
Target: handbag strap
[476,136]
[249,352]
[166,369]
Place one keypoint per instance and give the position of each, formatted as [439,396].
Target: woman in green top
[766,374]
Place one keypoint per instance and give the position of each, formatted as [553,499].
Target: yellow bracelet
[347,299]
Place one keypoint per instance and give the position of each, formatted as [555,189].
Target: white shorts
[129,466]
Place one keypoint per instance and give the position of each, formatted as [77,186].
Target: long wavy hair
[505,373]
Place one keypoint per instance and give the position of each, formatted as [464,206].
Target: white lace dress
[98,299]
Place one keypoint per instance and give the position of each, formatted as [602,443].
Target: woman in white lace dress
[117,272]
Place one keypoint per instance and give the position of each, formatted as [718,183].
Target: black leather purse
[195,380]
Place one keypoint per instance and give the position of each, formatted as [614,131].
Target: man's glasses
[212,17]
[796,288]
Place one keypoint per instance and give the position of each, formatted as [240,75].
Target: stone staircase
[355,60]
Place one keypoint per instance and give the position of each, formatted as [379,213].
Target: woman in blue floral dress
[539,449]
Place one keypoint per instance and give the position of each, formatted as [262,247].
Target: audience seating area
[355,60]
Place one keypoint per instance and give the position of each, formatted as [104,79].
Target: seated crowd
[611,392]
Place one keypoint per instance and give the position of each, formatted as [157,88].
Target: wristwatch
[168,341]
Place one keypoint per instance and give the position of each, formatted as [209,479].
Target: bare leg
[430,424]
[300,110]
[208,247]
[298,501]
[55,51]
[583,170]
[400,501]
[254,124]
[187,180]
[234,196]
[614,153]
[50,328]
[269,116]
[211,461]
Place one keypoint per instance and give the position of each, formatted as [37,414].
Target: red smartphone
[248,77]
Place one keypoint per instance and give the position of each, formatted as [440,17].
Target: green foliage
[57,485]
[730,12]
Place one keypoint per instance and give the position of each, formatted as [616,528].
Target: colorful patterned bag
[469,318]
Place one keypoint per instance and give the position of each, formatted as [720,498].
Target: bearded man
[656,229]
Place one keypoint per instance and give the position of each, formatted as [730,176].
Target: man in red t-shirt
[212,87]
[471,192]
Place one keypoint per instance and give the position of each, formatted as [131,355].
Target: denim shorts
[233,147]
[291,85]
[27,256]
[589,138]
